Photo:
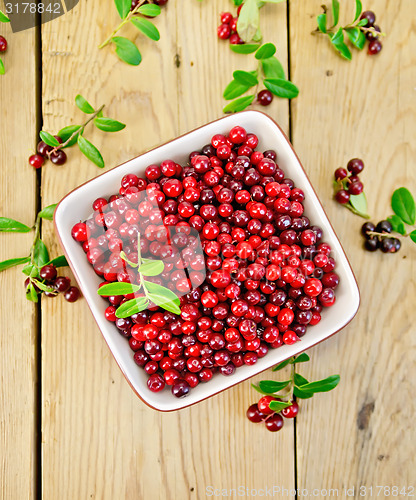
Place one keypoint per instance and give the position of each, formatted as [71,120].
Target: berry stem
[386,235]
[36,227]
[124,22]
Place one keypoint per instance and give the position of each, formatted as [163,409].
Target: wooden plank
[362,433]
[18,318]
[94,428]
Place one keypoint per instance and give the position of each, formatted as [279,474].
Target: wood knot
[363,418]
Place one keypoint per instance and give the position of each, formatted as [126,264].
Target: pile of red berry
[57,156]
[349,181]
[268,275]
[59,284]
[374,46]
[261,412]
[377,237]
[227,30]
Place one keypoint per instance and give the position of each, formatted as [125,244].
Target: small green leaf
[108,124]
[239,104]
[7,264]
[162,296]
[132,306]
[397,223]
[265,51]
[359,203]
[337,41]
[119,288]
[363,22]
[403,205]
[29,268]
[301,394]
[146,27]
[84,105]
[2,70]
[322,22]
[126,259]
[281,365]
[123,7]
[356,36]
[302,358]
[149,10]
[234,89]
[278,405]
[41,254]
[323,385]
[3,18]
[49,139]
[66,132]
[90,151]
[59,261]
[43,287]
[127,51]
[237,3]
[270,386]
[47,212]
[13,226]
[31,293]
[335,11]
[153,268]
[245,78]
[358,9]
[248,20]
[413,236]
[299,380]
[272,68]
[246,48]
[281,88]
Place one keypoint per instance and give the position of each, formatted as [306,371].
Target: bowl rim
[71,265]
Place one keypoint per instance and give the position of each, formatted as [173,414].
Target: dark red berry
[264,97]
[3,44]
[72,294]
[370,16]
[36,160]
[291,411]
[340,173]
[374,47]
[355,166]
[356,188]
[61,284]
[224,31]
[48,272]
[274,423]
[342,196]
[254,414]
[58,157]
[180,389]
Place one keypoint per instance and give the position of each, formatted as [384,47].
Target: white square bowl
[76,206]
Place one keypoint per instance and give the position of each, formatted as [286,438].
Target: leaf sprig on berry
[269,72]
[74,134]
[126,50]
[357,31]
[37,258]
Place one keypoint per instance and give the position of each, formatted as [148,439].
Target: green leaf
[149,10]
[237,3]
[239,104]
[47,212]
[123,7]
[3,18]
[43,287]
[234,89]
[7,264]
[281,88]
[397,223]
[302,358]
[301,394]
[108,124]
[265,51]
[363,22]
[31,293]
[281,365]
[146,27]
[41,254]
[337,41]
[403,205]
[66,132]
[119,288]
[359,203]
[90,151]
[335,11]
[278,405]
[248,20]
[49,139]
[126,259]
[13,226]
[84,105]
[413,236]
[132,306]
[270,386]
[59,261]
[162,296]
[324,385]
[358,9]
[245,78]
[299,380]
[153,268]
[322,22]
[246,48]
[272,68]
[2,70]
[29,268]
[356,36]
[127,51]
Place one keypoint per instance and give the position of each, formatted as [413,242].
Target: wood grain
[94,427]
[363,433]
[18,316]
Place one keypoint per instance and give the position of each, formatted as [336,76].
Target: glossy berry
[374,47]
[48,272]
[366,228]
[3,44]
[370,16]
[356,188]
[155,383]
[72,294]
[384,226]
[254,414]
[371,244]
[355,166]
[274,423]
[58,158]
[61,284]
[340,173]
[224,31]
[263,405]
[180,389]
[36,160]
[290,411]
[264,97]
[342,196]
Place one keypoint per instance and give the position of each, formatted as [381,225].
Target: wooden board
[362,433]
[18,367]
